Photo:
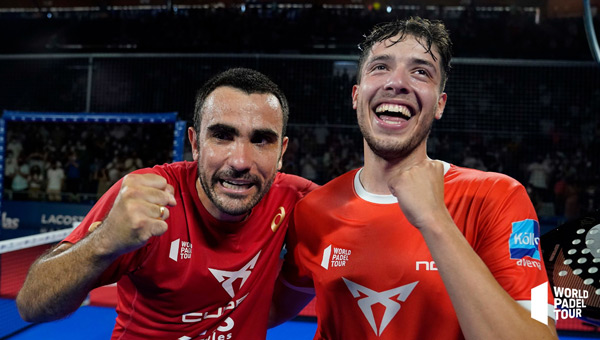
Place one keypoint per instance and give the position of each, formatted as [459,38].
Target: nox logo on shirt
[227,278]
[524,240]
[386,298]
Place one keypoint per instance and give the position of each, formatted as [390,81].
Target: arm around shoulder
[287,303]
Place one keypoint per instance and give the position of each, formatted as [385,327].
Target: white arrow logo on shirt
[230,276]
[385,298]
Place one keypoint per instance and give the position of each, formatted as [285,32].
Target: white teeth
[235,186]
[393,108]
[392,122]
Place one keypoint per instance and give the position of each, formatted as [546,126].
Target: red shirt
[203,278]
[372,272]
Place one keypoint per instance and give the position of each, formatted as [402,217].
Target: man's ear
[193,138]
[441,104]
[284,145]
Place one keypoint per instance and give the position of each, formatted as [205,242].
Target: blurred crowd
[65,163]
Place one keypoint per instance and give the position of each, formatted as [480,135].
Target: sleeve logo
[524,240]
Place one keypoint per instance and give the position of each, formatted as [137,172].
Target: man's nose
[398,82]
[241,156]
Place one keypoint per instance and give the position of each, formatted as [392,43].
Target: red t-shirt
[372,272]
[203,278]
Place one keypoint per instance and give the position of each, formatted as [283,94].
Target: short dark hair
[428,33]
[246,80]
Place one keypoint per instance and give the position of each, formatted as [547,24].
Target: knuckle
[160,228]
[130,207]
[143,223]
[126,178]
[126,192]
[130,178]
[137,222]
[170,189]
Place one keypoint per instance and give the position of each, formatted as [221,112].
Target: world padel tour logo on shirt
[524,240]
[335,257]
[180,250]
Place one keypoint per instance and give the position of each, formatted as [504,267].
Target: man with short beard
[407,247]
[194,247]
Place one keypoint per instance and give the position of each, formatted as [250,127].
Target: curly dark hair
[428,33]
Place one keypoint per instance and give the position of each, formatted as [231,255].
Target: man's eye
[262,140]
[222,136]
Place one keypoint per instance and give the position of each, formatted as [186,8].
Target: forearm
[59,281]
[484,309]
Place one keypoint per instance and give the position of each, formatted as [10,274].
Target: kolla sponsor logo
[524,240]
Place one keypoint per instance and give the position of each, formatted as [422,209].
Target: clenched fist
[420,193]
[138,213]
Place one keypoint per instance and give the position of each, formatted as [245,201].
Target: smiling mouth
[236,185]
[393,113]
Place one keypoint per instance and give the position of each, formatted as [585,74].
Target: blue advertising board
[23,218]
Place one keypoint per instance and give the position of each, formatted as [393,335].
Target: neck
[376,171]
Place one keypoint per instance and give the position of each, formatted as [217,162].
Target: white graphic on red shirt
[335,257]
[184,254]
[228,277]
[384,298]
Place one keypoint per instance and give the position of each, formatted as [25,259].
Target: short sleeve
[510,242]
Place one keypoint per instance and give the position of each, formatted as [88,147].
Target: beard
[390,148]
[232,204]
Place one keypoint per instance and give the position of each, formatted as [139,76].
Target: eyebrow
[419,61]
[414,60]
[266,133]
[381,57]
[222,128]
[227,129]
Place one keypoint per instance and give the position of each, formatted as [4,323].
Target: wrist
[436,223]
[101,243]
